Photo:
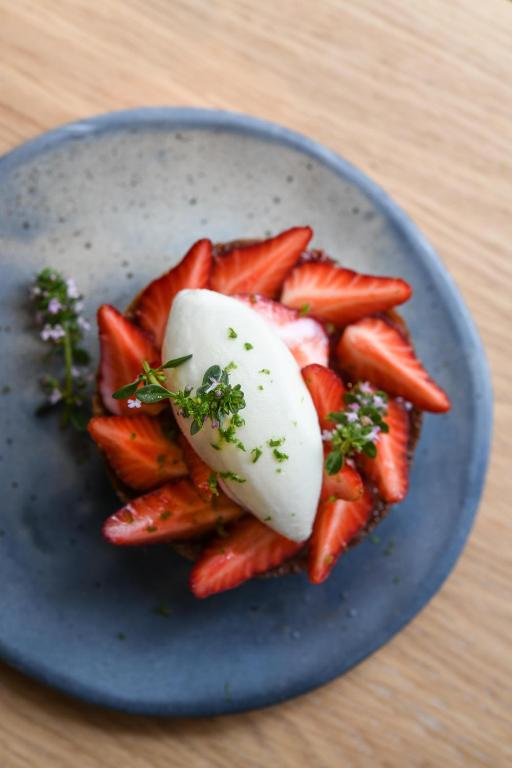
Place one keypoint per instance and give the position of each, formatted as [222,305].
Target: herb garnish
[213,484]
[304,309]
[279,455]
[358,427]
[232,476]
[255,454]
[275,442]
[232,334]
[215,399]
[58,305]
[248,345]
[265,371]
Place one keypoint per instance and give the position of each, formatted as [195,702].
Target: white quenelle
[282,492]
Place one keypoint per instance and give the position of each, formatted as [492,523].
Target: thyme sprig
[214,400]
[58,305]
[358,426]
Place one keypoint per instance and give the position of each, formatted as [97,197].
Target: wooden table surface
[417,94]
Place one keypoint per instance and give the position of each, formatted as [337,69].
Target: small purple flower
[354,407]
[75,372]
[327,434]
[134,403]
[54,306]
[215,423]
[352,416]
[55,396]
[218,393]
[83,323]
[79,305]
[35,291]
[379,402]
[365,388]
[53,332]
[374,435]
[73,292]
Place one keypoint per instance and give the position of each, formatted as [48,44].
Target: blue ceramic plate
[114,201]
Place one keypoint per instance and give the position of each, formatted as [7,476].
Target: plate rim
[183,118]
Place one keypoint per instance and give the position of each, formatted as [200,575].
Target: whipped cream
[280,418]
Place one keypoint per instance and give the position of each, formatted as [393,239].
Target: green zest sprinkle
[330,327]
[275,442]
[278,471]
[232,476]
[133,436]
[279,456]
[261,387]
[255,454]
[151,528]
[215,446]
[267,519]
[248,345]
[232,366]
[232,334]
[265,371]
[165,515]
[213,484]
[304,309]
[163,610]
[358,426]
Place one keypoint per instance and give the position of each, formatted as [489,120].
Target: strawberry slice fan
[345,335]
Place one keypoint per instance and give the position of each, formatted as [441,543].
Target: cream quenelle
[278,476]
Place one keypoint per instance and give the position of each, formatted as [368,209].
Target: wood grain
[419,96]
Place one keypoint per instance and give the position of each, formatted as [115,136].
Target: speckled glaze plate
[114,201]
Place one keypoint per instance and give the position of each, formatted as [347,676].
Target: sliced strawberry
[336,524]
[372,349]
[199,472]
[304,337]
[326,390]
[249,549]
[389,470]
[346,484]
[154,303]
[138,450]
[261,267]
[340,295]
[174,511]
[123,347]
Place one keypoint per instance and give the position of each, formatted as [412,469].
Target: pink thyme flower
[352,416]
[73,292]
[327,434]
[134,403]
[83,323]
[53,332]
[54,306]
[365,388]
[379,401]
[55,396]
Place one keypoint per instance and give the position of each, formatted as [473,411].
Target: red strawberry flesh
[154,303]
[340,296]
[374,350]
[170,513]
[138,450]
[199,471]
[389,470]
[249,549]
[262,266]
[123,348]
[336,524]
[326,390]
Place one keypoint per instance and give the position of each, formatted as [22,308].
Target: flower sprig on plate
[58,305]
[215,399]
[358,426]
